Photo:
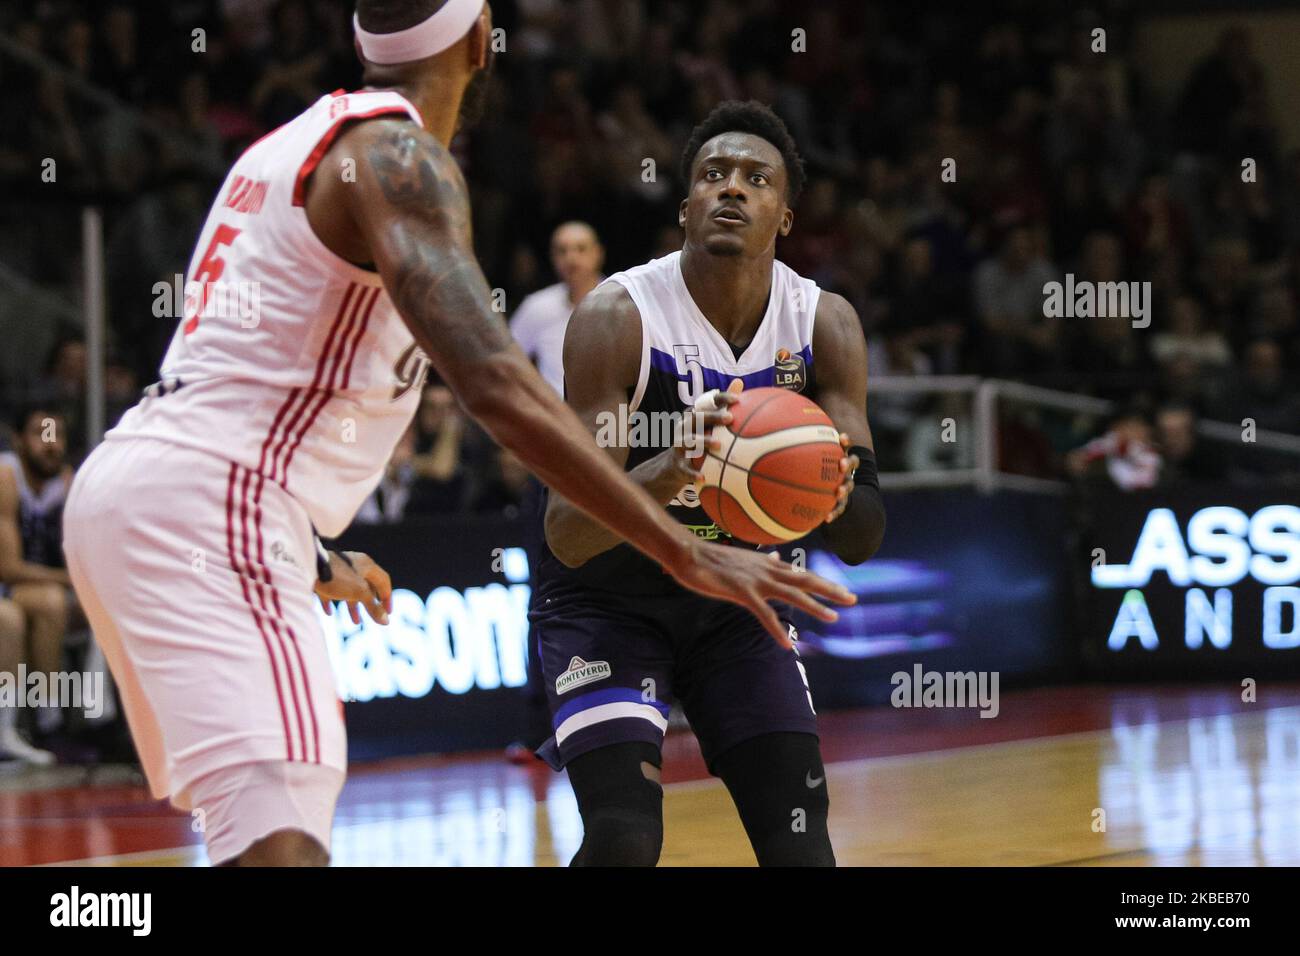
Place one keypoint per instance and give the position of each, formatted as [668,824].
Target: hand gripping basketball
[696,435]
[776,471]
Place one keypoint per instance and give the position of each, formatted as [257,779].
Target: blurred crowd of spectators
[1065,162]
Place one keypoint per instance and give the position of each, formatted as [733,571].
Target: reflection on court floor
[1064,776]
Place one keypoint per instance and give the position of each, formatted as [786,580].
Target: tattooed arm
[408,213]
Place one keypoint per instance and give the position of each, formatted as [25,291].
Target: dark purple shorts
[613,666]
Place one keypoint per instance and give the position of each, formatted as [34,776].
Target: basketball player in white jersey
[619,641]
[336,262]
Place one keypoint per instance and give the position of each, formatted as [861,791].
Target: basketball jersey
[682,357]
[288,360]
[40,515]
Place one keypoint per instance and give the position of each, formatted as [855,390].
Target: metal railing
[987,397]
[90,312]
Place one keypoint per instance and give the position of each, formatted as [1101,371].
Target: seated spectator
[1274,317]
[1155,222]
[1261,397]
[1079,208]
[1126,454]
[891,353]
[119,67]
[34,480]
[1184,453]
[1105,354]
[1262,392]
[1188,337]
[438,461]
[1182,380]
[931,305]
[1109,357]
[1024,446]
[1209,110]
[506,489]
[631,135]
[291,78]
[62,388]
[121,388]
[1017,337]
[1223,283]
[387,503]
[820,239]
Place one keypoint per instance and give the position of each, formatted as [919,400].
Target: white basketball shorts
[196,575]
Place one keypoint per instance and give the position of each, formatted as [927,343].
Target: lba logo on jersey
[580,672]
[790,371]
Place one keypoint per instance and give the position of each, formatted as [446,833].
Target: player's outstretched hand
[753,578]
[360,582]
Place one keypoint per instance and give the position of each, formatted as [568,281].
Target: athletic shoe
[12,745]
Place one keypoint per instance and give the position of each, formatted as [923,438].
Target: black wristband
[324,574]
[856,534]
[865,474]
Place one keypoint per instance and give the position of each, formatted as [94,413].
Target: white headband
[443,28]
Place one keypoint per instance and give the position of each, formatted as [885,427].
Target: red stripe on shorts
[261,597]
[243,581]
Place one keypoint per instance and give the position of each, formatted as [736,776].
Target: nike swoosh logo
[813,784]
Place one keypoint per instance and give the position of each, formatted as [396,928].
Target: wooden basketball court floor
[1066,776]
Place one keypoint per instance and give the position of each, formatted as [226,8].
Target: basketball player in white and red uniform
[335,263]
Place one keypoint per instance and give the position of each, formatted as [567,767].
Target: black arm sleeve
[856,534]
[324,573]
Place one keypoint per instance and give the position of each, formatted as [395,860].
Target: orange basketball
[775,476]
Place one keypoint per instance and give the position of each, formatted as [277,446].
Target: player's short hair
[757,119]
[389,16]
